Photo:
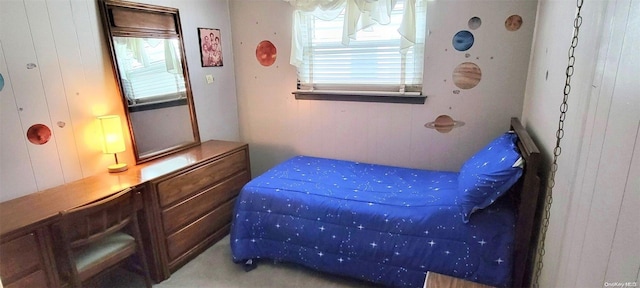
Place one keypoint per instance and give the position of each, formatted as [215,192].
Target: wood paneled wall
[55,74]
[72,83]
[593,237]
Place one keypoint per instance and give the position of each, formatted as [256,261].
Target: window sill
[362,96]
[157,105]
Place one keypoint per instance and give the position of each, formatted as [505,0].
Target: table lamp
[112,140]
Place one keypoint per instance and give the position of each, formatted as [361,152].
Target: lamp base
[118,167]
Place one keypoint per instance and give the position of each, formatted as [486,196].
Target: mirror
[151,70]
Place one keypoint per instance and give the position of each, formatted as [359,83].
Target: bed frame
[527,202]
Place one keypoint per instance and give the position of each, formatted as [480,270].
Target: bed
[390,225]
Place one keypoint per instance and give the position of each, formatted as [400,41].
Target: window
[378,52]
[150,69]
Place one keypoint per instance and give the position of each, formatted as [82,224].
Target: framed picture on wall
[210,47]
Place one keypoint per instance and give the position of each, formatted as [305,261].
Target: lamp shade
[112,140]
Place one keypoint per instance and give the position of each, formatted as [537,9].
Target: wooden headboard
[528,201]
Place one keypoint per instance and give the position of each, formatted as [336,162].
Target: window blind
[373,61]
[150,69]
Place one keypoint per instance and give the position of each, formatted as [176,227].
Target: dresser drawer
[188,237]
[194,207]
[181,186]
[20,257]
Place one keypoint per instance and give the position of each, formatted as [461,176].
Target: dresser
[193,206]
[186,203]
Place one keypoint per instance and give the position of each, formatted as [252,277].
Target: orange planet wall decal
[513,23]
[467,75]
[39,134]
[266,53]
[444,124]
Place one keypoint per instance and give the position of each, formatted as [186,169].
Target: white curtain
[172,59]
[359,14]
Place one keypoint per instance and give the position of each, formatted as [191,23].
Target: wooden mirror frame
[129,19]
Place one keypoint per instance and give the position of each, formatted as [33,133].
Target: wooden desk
[25,222]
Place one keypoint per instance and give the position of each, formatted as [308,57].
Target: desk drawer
[35,279]
[187,238]
[181,186]
[20,257]
[192,208]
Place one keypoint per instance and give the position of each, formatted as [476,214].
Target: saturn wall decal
[444,124]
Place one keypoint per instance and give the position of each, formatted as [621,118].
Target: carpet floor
[214,268]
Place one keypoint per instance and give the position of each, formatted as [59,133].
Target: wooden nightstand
[435,280]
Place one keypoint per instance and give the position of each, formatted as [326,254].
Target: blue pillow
[489,173]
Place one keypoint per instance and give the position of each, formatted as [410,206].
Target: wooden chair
[97,237]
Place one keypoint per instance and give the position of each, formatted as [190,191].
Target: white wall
[73,83]
[68,85]
[277,126]
[593,235]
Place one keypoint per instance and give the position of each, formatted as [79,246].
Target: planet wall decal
[474,23]
[444,124]
[462,41]
[266,53]
[467,75]
[513,23]
[39,134]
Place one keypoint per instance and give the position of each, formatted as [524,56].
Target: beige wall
[277,126]
[73,83]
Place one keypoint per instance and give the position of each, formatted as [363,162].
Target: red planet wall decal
[39,134]
[266,53]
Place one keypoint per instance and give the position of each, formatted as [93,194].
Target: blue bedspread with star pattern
[383,224]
